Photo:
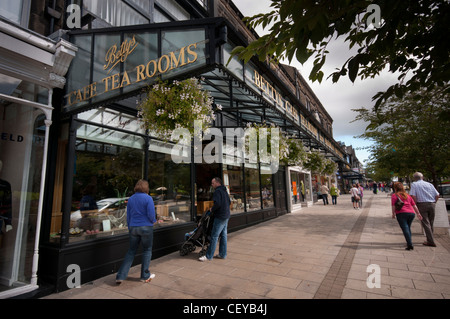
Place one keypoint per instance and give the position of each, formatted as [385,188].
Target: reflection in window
[105,173]
[266,186]
[170,186]
[252,189]
[233,181]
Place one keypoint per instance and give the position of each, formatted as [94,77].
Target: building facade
[82,141]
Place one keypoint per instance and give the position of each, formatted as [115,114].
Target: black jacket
[221,207]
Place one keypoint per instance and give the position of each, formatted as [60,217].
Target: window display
[266,186]
[104,178]
[252,187]
[170,186]
[233,181]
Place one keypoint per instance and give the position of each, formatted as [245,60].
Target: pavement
[319,252]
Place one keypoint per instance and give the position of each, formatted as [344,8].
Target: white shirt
[424,192]
[354,191]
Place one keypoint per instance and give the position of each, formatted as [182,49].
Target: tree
[410,39]
[407,137]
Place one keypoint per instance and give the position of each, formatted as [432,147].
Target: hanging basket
[176,105]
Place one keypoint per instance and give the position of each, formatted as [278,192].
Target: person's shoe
[429,244]
[149,278]
[118,281]
[203,258]
[218,256]
[409,248]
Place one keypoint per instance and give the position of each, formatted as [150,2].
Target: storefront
[31,66]
[99,148]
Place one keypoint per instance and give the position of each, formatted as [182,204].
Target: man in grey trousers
[425,195]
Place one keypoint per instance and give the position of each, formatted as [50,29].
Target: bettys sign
[119,75]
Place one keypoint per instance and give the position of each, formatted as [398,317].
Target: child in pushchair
[200,236]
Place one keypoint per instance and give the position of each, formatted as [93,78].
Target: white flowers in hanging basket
[176,105]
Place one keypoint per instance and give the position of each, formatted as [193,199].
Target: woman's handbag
[399,203]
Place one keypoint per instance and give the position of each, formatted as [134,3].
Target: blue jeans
[219,229]
[334,199]
[405,220]
[138,234]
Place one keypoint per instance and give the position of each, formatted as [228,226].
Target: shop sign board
[109,65]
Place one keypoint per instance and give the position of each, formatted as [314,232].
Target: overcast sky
[337,98]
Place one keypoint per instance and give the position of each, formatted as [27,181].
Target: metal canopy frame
[241,104]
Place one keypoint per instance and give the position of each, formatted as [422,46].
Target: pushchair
[200,236]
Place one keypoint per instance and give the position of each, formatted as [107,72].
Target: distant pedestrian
[425,195]
[406,214]
[140,218]
[355,196]
[374,187]
[361,193]
[334,192]
[221,213]
[324,190]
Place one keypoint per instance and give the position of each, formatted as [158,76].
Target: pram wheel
[184,251]
[187,248]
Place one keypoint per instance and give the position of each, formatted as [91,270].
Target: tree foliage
[408,137]
[410,40]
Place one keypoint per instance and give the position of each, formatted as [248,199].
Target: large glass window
[107,166]
[170,185]
[119,13]
[300,187]
[233,181]
[266,186]
[252,187]
[17,11]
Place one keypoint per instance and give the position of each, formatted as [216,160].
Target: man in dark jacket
[221,211]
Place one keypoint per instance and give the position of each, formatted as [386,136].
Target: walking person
[221,213]
[140,218]
[355,196]
[361,193]
[334,192]
[324,190]
[425,195]
[405,215]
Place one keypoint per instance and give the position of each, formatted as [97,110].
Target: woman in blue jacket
[140,219]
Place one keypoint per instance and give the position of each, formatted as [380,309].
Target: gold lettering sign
[165,63]
[272,93]
[114,56]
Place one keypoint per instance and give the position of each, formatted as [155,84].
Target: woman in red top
[406,214]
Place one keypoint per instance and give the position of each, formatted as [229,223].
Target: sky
[337,98]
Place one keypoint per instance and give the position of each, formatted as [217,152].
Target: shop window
[300,189]
[17,11]
[170,186]
[233,181]
[107,166]
[21,155]
[252,187]
[266,186]
[295,188]
[119,13]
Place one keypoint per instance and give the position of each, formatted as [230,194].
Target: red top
[407,207]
